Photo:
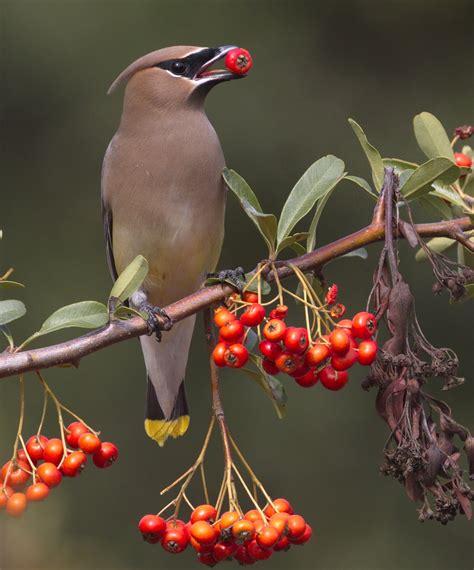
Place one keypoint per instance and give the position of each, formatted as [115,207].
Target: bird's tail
[166,411]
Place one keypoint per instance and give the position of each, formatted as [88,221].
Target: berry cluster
[294,350]
[247,538]
[47,461]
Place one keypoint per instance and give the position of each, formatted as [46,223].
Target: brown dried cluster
[421,452]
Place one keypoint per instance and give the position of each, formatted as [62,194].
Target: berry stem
[18,433]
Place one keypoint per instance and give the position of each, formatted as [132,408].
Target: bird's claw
[157,321]
[233,277]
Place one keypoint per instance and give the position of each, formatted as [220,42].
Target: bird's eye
[178,68]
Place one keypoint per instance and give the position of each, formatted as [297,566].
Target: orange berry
[16,504]
[204,513]
[203,532]
[296,526]
[281,506]
[268,536]
[37,492]
[243,530]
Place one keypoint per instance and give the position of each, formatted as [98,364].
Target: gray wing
[107,225]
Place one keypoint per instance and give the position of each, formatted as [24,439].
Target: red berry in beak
[238,61]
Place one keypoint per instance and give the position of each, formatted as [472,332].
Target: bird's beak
[205,75]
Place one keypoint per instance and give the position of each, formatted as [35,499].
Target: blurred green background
[316,63]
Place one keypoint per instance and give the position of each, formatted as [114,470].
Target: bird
[163,197]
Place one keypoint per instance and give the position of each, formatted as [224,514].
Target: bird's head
[175,75]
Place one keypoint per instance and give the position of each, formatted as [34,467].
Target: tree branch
[72,351]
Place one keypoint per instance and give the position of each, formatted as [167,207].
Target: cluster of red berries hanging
[247,538]
[294,350]
[46,461]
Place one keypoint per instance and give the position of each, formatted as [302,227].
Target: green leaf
[11,310]
[295,238]
[419,182]
[7,334]
[363,184]
[446,193]
[432,137]
[298,248]
[436,206]
[359,252]
[399,163]
[84,315]
[265,288]
[130,279]
[438,244]
[320,177]
[311,241]
[270,385]
[372,154]
[11,284]
[468,187]
[265,223]
[123,312]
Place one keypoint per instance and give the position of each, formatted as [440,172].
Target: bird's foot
[233,277]
[157,320]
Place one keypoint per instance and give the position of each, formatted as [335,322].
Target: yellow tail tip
[161,430]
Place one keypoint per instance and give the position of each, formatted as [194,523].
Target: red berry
[253,315]
[222,316]
[288,362]
[74,432]
[281,506]
[364,325]
[304,537]
[238,61]
[175,540]
[17,473]
[89,443]
[317,354]
[203,532]
[224,550]
[232,331]
[253,516]
[236,355]
[218,354]
[340,341]
[53,451]
[300,371]
[207,558]
[282,544]
[74,464]
[106,455]
[49,474]
[270,350]
[35,446]
[296,526]
[337,311]
[279,520]
[345,324]
[274,330]
[16,504]
[367,352]
[343,362]
[227,520]
[4,494]
[21,454]
[268,536]
[152,528]
[204,513]
[462,160]
[257,552]
[250,297]
[37,492]
[270,367]
[308,380]
[333,379]
[243,557]
[296,339]
[243,530]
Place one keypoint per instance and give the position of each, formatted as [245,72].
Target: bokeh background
[316,63]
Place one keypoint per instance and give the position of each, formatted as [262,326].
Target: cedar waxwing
[163,197]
